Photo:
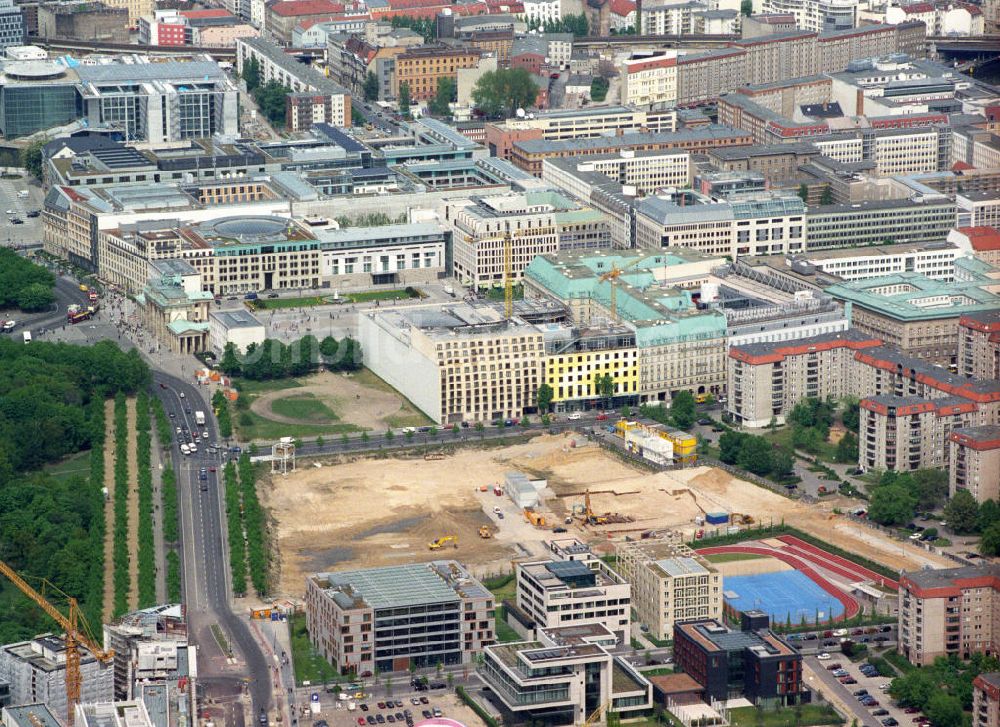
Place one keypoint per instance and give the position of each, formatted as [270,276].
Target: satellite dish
[520,113]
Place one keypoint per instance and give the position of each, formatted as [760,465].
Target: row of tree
[121,550]
[270,96]
[274,360]
[220,405]
[144,471]
[575,24]
[23,284]
[254,525]
[173,577]
[237,547]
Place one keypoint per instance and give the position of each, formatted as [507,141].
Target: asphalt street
[205,550]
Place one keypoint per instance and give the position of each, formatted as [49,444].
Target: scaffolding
[283,456]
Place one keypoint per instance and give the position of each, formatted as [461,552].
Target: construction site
[489,506]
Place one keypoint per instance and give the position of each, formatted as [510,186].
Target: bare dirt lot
[371,512]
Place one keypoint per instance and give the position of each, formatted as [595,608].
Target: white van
[574,416]
[185,449]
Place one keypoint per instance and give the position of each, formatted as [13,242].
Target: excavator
[484,532]
[441,542]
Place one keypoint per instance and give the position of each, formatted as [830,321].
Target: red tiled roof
[622,7]
[982,238]
[917,8]
[209,13]
[296,8]
[961,166]
[973,9]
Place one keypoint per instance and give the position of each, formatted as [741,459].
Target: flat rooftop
[32,715]
[412,584]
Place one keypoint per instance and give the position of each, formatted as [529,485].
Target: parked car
[824,656]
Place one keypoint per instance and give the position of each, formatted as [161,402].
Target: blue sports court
[785,596]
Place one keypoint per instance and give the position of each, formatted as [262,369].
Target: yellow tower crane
[75,637]
[613,276]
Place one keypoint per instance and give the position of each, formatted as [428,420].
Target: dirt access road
[370,512]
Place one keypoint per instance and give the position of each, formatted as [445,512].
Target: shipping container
[717,518]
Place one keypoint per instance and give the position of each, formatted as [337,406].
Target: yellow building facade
[573,376]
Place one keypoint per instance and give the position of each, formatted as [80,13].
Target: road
[206,556]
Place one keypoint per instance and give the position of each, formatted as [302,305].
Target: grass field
[309,665]
[310,301]
[305,407]
[783,437]
[75,464]
[370,295]
[253,426]
[730,557]
[810,714]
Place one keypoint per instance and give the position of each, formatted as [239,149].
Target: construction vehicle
[441,542]
[77,635]
[589,517]
[484,532]
[534,518]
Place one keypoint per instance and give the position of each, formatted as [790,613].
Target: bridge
[664,41]
[980,46]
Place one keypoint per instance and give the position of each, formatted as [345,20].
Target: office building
[670,584]
[563,677]
[576,355]
[332,99]
[536,222]
[906,433]
[756,664]
[920,220]
[650,79]
[986,700]
[918,315]
[948,612]
[647,172]
[114,714]
[362,621]
[529,154]
[446,360]
[160,102]
[580,592]
[979,344]
[679,345]
[36,672]
[934,260]
[420,68]
[974,462]
[763,224]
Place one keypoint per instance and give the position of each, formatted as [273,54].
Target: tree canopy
[682,409]
[23,284]
[371,87]
[891,504]
[275,360]
[447,93]
[504,91]
[271,99]
[962,512]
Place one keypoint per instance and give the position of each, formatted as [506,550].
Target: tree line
[52,405]
[120,551]
[270,96]
[144,472]
[274,360]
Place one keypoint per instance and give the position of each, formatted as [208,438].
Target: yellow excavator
[441,542]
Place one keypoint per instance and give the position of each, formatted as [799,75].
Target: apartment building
[757,664]
[670,583]
[650,79]
[918,315]
[948,612]
[816,15]
[920,220]
[446,360]
[766,380]
[986,700]
[680,346]
[389,619]
[704,76]
[579,592]
[836,48]
[536,223]
[420,68]
[979,344]
[764,224]
[35,670]
[529,154]
[779,56]
[934,260]
[587,122]
[905,433]
[563,677]
[299,78]
[974,462]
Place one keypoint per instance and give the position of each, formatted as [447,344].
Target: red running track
[826,560]
[851,607]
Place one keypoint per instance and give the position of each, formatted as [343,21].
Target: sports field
[789,597]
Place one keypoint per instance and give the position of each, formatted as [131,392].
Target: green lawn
[657,672]
[253,426]
[505,634]
[812,714]
[275,303]
[77,464]
[370,295]
[305,407]
[782,436]
[730,557]
[309,665]
[502,587]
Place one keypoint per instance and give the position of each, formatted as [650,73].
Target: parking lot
[850,685]
[396,710]
[13,206]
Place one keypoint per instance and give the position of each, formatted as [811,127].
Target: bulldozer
[441,542]
[484,532]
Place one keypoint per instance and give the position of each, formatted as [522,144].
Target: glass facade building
[25,110]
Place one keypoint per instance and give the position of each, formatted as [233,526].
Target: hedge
[253,521]
[121,554]
[475,707]
[164,430]
[237,552]
[168,491]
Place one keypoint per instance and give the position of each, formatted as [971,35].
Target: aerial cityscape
[500,363]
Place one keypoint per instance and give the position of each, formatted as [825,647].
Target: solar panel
[120,157]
